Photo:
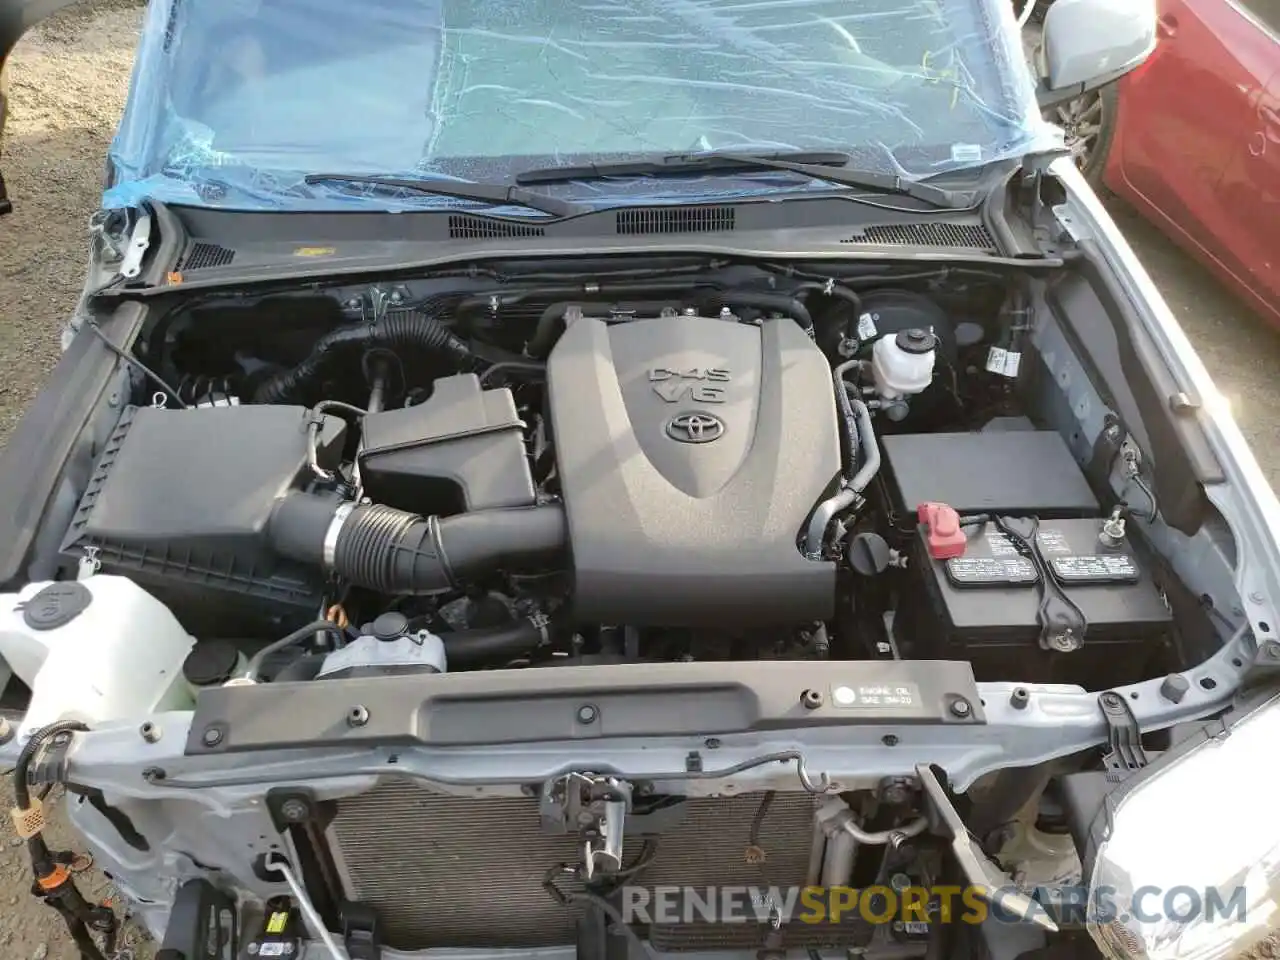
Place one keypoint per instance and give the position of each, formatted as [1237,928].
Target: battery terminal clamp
[944,535]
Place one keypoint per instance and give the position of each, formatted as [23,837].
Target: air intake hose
[397,552]
[397,329]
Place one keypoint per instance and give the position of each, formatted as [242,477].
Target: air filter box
[179,503]
[462,449]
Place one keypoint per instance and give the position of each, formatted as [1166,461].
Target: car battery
[988,605]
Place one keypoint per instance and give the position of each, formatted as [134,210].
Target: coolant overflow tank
[386,648]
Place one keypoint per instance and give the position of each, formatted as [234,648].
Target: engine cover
[691,451]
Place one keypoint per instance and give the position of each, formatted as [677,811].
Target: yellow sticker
[276,923]
[315,251]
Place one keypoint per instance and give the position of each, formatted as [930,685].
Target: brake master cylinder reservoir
[91,650]
[902,365]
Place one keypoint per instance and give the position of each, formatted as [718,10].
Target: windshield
[233,102]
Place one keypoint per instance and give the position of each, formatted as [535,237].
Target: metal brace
[593,806]
[980,871]
[380,300]
[139,241]
[1124,737]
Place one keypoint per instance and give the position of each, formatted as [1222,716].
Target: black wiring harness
[53,873]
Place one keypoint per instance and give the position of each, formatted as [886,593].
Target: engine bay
[735,463]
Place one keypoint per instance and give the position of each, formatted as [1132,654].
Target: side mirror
[1090,43]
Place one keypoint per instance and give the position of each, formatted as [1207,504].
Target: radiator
[447,871]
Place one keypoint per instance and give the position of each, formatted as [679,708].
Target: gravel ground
[68,81]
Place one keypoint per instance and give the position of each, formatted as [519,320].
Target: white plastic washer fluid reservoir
[902,365]
[91,650]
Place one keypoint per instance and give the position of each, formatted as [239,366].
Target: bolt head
[1064,643]
[961,708]
[294,810]
[212,737]
[587,713]
[893,792]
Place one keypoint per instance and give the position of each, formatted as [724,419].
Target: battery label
[1052,541]
[996,571]
[1095,568]
[999,544]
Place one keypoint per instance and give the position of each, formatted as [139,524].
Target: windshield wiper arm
[819,166]
[499,193]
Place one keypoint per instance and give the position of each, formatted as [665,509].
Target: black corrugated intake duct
[397,329]
[397,552]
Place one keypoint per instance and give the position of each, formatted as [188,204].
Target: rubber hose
[398,329]
[847,420]
[777,302]
[489,644]
[836,290]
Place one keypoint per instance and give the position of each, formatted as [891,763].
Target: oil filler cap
[944,535]
[56,605]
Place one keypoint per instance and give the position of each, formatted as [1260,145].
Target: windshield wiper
[499,193]
[819,166]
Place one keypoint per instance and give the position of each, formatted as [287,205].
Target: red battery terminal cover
[944,535]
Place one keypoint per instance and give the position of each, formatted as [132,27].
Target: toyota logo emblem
[695,428]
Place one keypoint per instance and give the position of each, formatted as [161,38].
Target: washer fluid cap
[916,341]
[56,605]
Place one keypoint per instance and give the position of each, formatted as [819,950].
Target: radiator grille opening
[462,227]
[448,871]
[675,220]
[926,235]
[204,256]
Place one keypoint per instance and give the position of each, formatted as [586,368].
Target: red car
[1196,141]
